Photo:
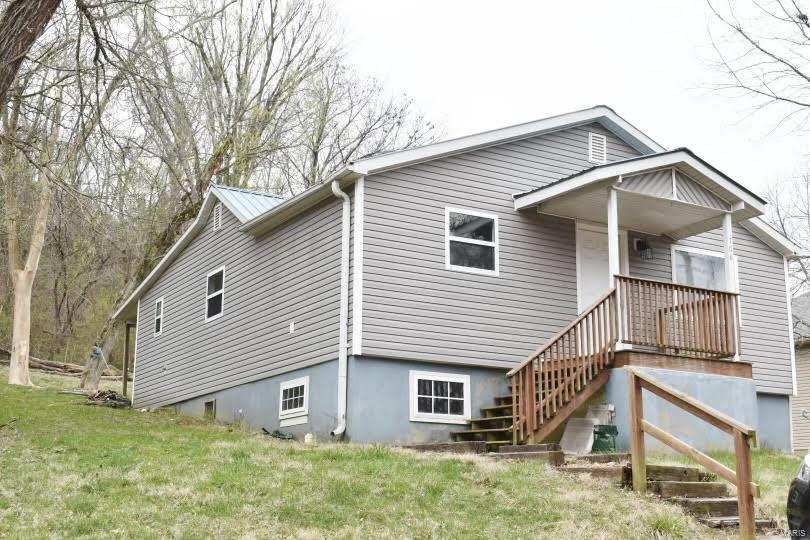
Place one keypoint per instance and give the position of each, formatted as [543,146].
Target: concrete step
[530,447]
[708,506]
[723,522]
[620,457]
[554,457]
[668,489]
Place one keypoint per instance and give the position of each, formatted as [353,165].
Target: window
[597,148]
[294,402]
[215,294]
[210,409]
[158,316]
[439,397]
[217,219]
[471,241]
[700,268]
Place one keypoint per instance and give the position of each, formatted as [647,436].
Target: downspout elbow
[343,340]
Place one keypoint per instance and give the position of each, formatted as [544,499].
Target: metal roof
[245,204]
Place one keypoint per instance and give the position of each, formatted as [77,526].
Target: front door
[593,272]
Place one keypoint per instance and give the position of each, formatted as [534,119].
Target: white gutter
[343,340]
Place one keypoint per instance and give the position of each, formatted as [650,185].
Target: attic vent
[217,216]
[597,148]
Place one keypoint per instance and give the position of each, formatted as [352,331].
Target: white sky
[474,65]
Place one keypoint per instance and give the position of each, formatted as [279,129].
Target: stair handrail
[744,437]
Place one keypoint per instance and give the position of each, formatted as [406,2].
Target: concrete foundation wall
[773,430]
[378,405]
[257,403]
[733,396]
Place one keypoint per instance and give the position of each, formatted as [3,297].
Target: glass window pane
[158,308]
[157,326]
[475,227]
[440,388]
[440,406]
[700,270]
[424,404]
[215,305]
[424,387]
[456,389]
[215,282]
[472,255]
[456,406]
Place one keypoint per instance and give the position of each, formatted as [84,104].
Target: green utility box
[604,438]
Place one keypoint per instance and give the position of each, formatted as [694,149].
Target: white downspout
[343,340]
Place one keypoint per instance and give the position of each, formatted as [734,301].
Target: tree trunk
[21,334]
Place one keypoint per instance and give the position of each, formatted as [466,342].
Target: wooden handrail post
[745,495]
[638,459]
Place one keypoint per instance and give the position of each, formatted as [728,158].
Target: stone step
[668,489]
[610,472]
[546,447]
[607,457]
[723,522]
[674,473]
[553,457]
[708,506]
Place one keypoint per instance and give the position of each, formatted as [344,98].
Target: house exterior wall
[764,331]
[257,403]
[379,400]
[415,308]
[290,274]
[801,401]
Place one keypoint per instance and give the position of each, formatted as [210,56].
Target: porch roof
[673,193]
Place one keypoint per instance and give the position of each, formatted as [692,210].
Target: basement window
[210,409]
[158,316]
[597,148]
[217,218]
[471,241]
[439,397]
[215,294]
[294,402]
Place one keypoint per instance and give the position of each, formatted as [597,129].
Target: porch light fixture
[643,249]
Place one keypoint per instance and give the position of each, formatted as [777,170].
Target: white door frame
[623,251]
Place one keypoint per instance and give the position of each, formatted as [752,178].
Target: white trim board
[791,337]
[357,267]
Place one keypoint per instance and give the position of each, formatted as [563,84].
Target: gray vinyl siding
[764,335]
[415,308]
[656,183]
[659,184]
[289,274]
[692,192]
[801,401]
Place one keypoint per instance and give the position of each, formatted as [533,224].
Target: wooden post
[613,235]
[745,496]
[638,460]
[127,326]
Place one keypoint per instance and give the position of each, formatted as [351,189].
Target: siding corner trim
[357,281]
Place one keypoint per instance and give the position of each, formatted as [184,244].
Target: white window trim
[417,416]
[591,137]
[448,237]
[217,216]
[293,413]
[156,317]
[207,296]
[708,252]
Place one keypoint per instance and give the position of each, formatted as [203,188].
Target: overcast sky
[473,66]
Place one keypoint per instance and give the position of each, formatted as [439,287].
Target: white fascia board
[601,113]
[635,166]
[773,238]
[170,255]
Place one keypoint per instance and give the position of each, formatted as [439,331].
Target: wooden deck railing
[554,374]
[663,316]
[678,319]
[744,437]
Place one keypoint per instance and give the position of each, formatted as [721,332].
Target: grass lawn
[71,470]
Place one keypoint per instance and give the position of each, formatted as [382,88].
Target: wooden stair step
[723,522]
[672,488]
[675,473]
[707,506]
[512,448]
[607,457]
[483,419]
[496,407]
[457,447]
[553,457]
[611,472]
[482,430]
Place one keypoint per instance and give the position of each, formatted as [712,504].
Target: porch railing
[662,316]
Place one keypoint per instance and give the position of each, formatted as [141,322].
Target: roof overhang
[601,114]
[774,239]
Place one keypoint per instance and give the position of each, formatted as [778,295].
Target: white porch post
[728,251]
[613,235]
